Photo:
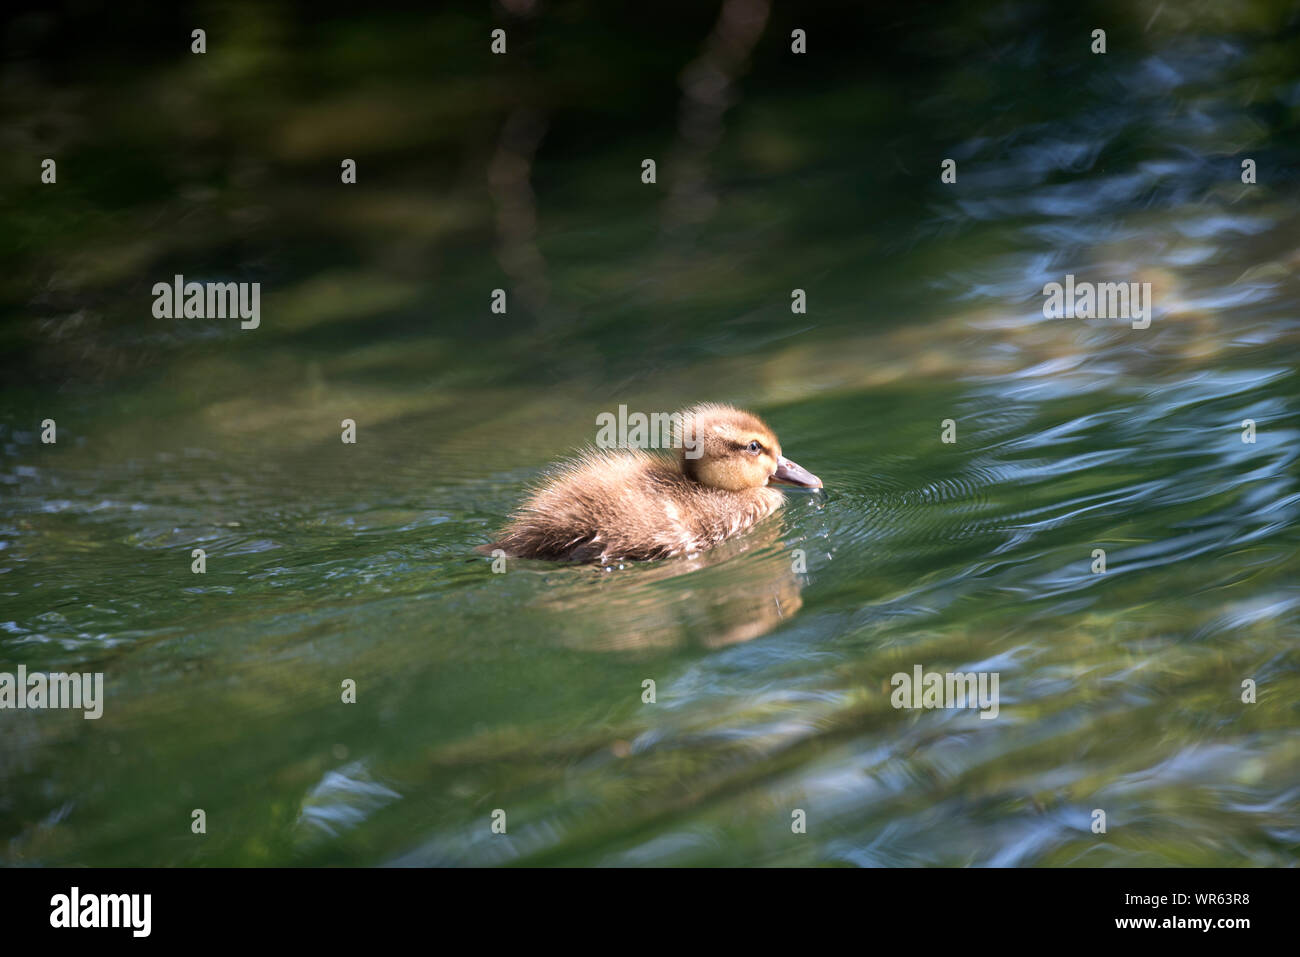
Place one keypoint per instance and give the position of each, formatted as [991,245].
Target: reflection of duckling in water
[626,504]
[734,592]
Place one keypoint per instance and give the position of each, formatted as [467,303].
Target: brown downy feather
[626,504]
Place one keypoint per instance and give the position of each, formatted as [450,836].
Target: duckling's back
[626,504]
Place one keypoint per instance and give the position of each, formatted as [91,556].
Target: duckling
[626,504]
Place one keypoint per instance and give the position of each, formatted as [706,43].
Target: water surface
[523,691]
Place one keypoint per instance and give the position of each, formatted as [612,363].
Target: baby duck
[625,504]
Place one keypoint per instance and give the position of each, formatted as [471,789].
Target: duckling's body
[629,505]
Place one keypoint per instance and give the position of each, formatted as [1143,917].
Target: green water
[523,691]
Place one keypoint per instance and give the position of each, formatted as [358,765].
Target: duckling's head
[728,448]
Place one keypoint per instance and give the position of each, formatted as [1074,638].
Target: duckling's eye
[754,447]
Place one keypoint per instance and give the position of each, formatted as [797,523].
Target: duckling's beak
[793,474]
